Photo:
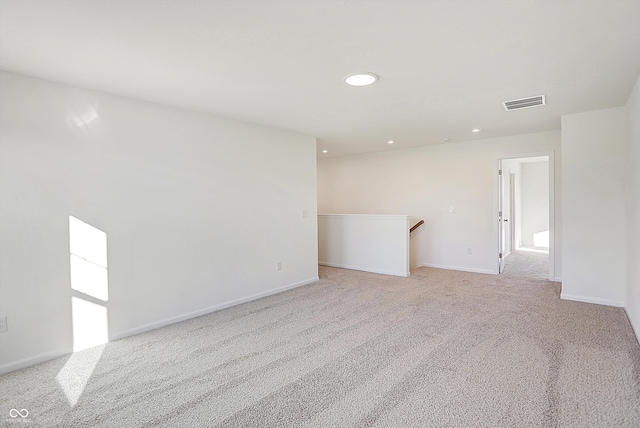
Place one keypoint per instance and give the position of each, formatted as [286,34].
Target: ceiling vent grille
[536,101]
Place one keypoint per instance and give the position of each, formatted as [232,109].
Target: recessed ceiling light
[360,79]
[390,142]
[476,130]
[325,151]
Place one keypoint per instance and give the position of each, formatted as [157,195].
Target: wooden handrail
[417,225]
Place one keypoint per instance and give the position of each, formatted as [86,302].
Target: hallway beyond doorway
[528,262]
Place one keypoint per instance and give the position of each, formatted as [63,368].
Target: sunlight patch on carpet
[77,371]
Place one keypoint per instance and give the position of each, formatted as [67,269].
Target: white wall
[366,242]
[534,200]
[632,153]
[594,219]
[423,182]
[197,211]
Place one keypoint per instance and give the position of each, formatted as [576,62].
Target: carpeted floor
[438,349]
[528,264]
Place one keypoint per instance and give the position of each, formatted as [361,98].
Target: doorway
[525,211]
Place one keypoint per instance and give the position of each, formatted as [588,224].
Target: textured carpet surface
[440,348]
[527,264]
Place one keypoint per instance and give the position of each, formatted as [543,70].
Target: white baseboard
[382,272]
[32,361]
[460,268]
[205,311]
[595,300]
[16,365]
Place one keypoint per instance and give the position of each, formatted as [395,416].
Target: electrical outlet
[279,266]
[305,213]
[452,209]
[3,324]
[469,251]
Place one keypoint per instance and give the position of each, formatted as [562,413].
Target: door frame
[512,210]
[552,223]
[502,252]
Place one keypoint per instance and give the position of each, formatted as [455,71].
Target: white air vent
[536,101]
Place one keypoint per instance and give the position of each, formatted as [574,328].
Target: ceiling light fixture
[446,140]
[390,142]
[325,151]
[360,79]
[476,130]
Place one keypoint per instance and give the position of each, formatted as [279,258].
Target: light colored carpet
[440,348]
[529,264]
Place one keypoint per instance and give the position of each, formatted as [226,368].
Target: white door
[512,212]
[507,218]
[501,234]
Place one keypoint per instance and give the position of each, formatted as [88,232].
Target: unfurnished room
[319,213]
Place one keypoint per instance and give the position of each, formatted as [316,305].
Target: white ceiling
[445,66]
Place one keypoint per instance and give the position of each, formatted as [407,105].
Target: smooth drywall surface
[514,166]
[594,216]
[535,203]
[632,302]
[425,182]
[367,242]
[197,211]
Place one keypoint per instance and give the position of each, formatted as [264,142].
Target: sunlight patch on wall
[82,118]
[90,324]
[87,242]
[89,278]
[89,314]
[541,239]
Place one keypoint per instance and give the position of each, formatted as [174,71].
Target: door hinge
[499,172]
[499,255]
